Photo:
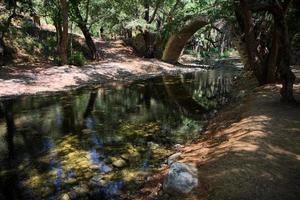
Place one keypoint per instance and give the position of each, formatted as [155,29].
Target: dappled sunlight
[250,149]
[149,100]
[276,150]
[56,78]
[243,146]
[106,141]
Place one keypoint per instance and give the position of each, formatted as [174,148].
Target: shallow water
[98,143]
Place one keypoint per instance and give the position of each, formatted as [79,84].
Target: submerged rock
[64,197]
[71,181]
[119,163]
[125,156]
[181,178]
[97,181]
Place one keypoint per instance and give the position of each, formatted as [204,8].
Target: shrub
[77,59]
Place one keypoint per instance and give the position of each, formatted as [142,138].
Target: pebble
[64,197]
[71,181]
[119,163]
[178,147]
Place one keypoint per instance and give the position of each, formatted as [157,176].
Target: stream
[104,142]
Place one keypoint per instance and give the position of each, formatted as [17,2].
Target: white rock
[173,158]
[181,178]
[178,147]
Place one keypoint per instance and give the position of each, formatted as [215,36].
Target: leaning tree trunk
[87,35]
[91,104]
[89,41]
[176,42]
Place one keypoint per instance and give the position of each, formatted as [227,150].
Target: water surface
[102,142]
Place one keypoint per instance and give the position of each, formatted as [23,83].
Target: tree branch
[158,2]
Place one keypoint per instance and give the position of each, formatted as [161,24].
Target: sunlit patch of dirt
[119,63]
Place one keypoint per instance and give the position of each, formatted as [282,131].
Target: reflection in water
[11,129]
[10,180]
[68,114]
[91,104]
[95,144]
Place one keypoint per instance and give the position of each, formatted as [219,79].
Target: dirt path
[250,151]
[120,63]
[253,150]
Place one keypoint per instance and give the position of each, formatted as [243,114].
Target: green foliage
[140,24]
[206,102]
[49,46]
[229,53]
[77,58]
[210,53]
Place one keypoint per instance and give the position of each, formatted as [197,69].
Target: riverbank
[120,64]
[251,150]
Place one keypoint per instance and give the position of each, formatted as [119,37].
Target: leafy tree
[11,9]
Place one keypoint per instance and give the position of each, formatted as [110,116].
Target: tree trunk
[87,35]
[3,30]
[129,33]
[273,56]
[148,45]
[244,16]
[87,9]
[2,50]
[146,33]
[63,41]
[223,44]
[177,41]
[286,75]
[58,28]
[89,41]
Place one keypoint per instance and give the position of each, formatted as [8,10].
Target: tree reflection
[147,96]
[91,104]
[68,114]
[11,128]
[8,182]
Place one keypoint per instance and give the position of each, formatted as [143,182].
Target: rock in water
[119,163]
[181,178]
[65,197]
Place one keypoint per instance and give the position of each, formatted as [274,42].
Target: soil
[251,150]
[119,64]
